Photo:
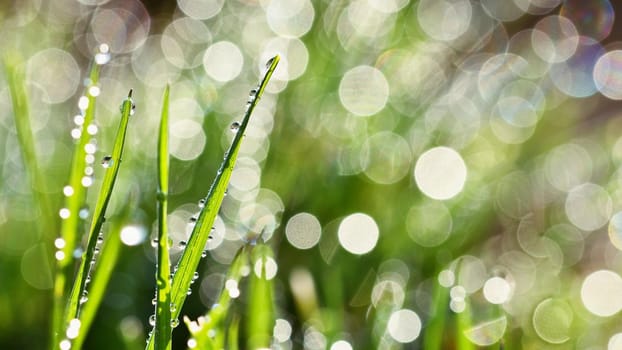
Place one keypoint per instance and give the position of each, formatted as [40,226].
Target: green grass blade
[233,334]
[464,323]
[71,228]
[215,319]
[162,332]
[191,256]
[433,332]
[105,266]
[260,311]
[21,113]
[79,287]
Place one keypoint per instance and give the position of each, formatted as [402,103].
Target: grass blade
[105,266]
[163,290]
[21,113]
[260,312]
[215,319]
[75,198]
[191,256]
[78,291]
[433,336]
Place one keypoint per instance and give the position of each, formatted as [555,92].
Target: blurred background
[404,150]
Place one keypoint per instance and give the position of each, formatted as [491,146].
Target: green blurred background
[412,162]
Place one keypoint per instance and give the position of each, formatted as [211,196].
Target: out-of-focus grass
[309,153]
[162,329]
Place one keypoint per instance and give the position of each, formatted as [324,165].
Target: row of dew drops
[230,285]
[102,57]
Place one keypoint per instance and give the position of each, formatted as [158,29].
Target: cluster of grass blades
[75,306]
[169,306]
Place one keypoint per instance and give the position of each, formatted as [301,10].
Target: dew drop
[269,63]
[100,239]
[152,320]
[64,213]
[189,291]
[204,253]
[96,251]
[76,133]
[83,102]
[194,218]
[195,276]
[92,129]
[77,253]
[83,213]
[94,91]
[173,307]
[87,181]
[175,322]
[154,301]
[103,56]
[107,162]
[59,243]
[78,119]
[59,255]
[183,244]
[235,126]
[83,299]
[202,203]
[65,344]
[104,48]
[253,93]
[154,242]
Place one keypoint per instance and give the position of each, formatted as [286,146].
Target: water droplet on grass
[94,91]
[269,63]
[152,320]
[195,276]
[92,129]
[83,299]
[103,56]
[87,181]
[64,213]
[78,119]
[83,213]
[59,243]
[175,322]
[189,291]
[107,162]
[183,244]
[155,242]
[202,203]
[77,253]
[83,102]
[204,254]
[235,126]
[59,255]
[64,344]
[173,307]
